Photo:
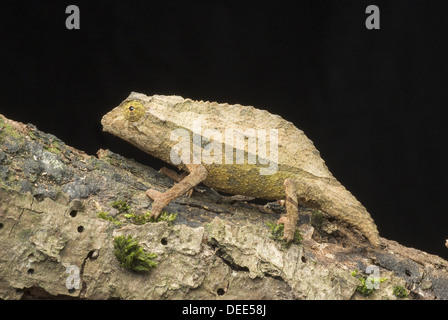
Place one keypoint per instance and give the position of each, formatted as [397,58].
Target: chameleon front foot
[159,203]
[197,174]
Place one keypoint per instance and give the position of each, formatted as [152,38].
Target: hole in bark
[220,292]
[93,254]
[1,225]
[408,273]
[80,229]
[303,259]
[39,197]
[73,213]
[30,271]
[164,241]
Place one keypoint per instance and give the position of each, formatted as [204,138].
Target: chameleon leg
[173,174]
[292,209]
[176,177]
[197,174]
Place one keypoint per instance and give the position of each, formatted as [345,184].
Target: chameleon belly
[246,180]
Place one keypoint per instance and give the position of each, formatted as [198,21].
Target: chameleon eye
[133,110]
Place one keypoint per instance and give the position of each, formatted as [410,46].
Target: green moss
[363,288]
[277,232]
[137,218]
[400,292]
[365,291]
[7,130]
[32,135]
[317,218]
[121,206]
[164,216]
[95,164]
[112,160]
[105,215]
[132,256]
[54,147]
[144,218]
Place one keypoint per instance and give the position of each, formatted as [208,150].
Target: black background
[372,101]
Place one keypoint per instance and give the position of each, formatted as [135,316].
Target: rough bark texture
[217,248]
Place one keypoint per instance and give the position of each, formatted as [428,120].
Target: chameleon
[194,137]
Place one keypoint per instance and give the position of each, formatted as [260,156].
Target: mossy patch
[400,292]
[136,218]
[131,255]
[105,215]
[54,147]
[367,284]
[121,206]
[7,130]
[317,218]
[144,218]
[277,232]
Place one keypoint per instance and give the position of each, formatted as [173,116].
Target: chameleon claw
[288,236]
[157,205]
[189,193]
[156,210]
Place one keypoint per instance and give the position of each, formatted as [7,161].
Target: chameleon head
[136,121]
[128,113]
[127,121]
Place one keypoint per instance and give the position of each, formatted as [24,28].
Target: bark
[217,248]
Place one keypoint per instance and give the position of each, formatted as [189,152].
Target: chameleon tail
[330,196]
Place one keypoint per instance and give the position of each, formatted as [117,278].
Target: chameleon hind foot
[197,174]
[292,210]
[289,228]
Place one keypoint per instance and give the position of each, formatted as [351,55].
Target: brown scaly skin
[301,176]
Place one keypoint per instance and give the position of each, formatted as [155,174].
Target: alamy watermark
[373,20]
[73,280]
[373,280]
[73,20]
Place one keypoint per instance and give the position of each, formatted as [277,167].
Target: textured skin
[147,123]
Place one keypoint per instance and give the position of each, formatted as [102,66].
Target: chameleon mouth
[105,123]
[108,121]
